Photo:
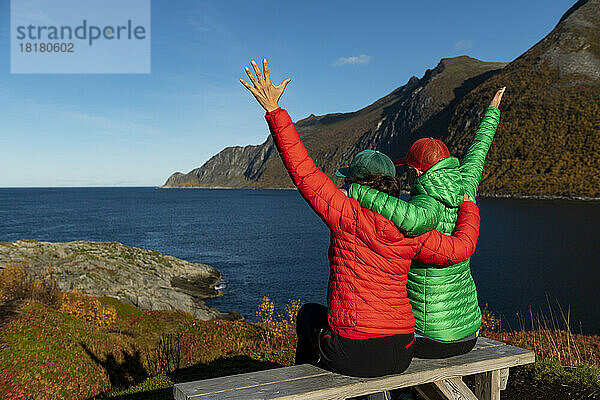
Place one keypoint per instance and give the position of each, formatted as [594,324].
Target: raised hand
[262,89]
[497,98]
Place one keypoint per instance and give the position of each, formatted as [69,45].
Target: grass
[49,352]
[55,355]
[561,355]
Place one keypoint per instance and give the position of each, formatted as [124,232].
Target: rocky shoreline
[144,278]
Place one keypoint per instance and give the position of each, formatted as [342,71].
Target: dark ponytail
[383,183]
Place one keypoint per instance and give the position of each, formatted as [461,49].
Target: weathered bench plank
[453,389]
[247,380]
[483,342]
[310,382]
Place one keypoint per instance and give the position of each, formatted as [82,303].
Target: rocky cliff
[390,123]
[145,278]
[548,142]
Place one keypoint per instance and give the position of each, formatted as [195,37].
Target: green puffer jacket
[444,300]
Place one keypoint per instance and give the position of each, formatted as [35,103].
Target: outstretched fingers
[266,70]
[248,86]
[262,89]
[259,74]
[284,84]
[251,76]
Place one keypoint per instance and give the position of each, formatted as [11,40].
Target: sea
[535,258]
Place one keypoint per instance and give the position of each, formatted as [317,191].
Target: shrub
[88,309]
[291,312]
[276,326]
[277,333]
[17,284]
[166,356]
[270,327]
[265,311]
[489,322]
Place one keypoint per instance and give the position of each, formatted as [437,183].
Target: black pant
[319,344]
[427,348]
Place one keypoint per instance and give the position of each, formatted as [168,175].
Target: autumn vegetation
[56,345]
[548,140]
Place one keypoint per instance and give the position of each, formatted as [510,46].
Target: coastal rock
[144,278]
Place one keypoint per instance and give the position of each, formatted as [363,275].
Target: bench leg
[447,389]
[488,385]
[503,378]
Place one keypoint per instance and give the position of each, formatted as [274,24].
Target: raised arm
[439,249]
[315,186]
[472,164]
[416,216]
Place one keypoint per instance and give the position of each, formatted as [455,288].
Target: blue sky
[137,129]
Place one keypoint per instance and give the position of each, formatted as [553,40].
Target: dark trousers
[427,348]
[319,344]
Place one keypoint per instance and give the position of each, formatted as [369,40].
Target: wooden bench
[434,379]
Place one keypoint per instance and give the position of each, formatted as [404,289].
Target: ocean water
[531,254]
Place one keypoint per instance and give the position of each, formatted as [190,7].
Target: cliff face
[548,142]
[227,168]
[388,124]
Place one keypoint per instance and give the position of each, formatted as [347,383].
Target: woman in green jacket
[444,300]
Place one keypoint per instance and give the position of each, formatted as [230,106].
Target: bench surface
[309,382]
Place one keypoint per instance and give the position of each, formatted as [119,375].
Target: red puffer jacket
[368,256]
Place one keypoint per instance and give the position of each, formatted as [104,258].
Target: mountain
[334,138]
[548,142]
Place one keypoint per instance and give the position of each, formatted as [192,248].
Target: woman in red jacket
[368,327]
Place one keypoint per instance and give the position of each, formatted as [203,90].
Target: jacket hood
[443,182]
